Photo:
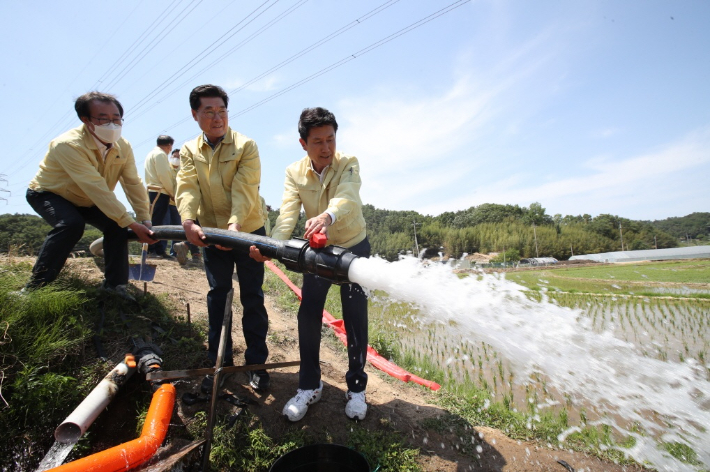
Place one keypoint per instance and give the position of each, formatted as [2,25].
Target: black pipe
[331,262]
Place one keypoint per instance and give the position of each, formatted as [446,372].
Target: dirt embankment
[392,404]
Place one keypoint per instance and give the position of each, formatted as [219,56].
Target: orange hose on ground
[338,327]
[133,453]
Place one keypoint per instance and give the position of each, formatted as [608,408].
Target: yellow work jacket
[74,169]
[220,187]
[159,172]
[339,194]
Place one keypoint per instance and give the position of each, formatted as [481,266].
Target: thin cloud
[609,186]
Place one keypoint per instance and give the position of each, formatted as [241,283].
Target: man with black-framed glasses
[218,187]
[75,185]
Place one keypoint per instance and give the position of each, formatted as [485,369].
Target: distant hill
[694,226]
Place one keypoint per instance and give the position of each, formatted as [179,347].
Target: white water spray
[55,456]
[543,337]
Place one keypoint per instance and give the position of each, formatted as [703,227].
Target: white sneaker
[356,408]
[181,251]
[296,408]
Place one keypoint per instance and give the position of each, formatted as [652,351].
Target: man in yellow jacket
[218,187]
[75,185]
[326,183]
[161,188]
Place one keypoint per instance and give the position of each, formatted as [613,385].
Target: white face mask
[174,161]
[108,133]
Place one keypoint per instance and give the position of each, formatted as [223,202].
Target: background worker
[326,183]
[179,249]
[218,184]
[159,175]
[75,185]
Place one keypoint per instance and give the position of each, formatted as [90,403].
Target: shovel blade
[143,271]
[146,274]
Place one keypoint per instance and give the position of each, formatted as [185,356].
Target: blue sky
[586,107]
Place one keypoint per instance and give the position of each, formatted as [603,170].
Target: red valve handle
[318,240]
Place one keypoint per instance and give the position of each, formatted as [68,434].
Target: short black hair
[314,118]
[164,140]
[81,105]
[207,90]
[175,150]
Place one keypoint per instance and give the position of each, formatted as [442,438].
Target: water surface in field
[668,399]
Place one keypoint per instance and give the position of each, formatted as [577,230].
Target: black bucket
[321,458]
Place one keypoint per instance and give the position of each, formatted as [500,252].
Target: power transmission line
[203,54]
[130,50]
[3,179]
[261,30]
[355,55]
[65,120]
[188,38]
[322,41]
[318,43]
[159,37]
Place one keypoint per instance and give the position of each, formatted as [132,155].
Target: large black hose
[331,262]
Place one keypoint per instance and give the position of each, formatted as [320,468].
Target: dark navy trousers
[68,221]
[160,210]
[310,315]
[219,267]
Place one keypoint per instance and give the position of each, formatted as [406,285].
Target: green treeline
[24,234]
[496,228]
[693,226]
[485,228]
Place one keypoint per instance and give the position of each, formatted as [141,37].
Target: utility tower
[4,179]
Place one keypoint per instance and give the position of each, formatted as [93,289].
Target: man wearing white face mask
[75,185]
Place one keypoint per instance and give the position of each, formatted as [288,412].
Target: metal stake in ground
[226,323]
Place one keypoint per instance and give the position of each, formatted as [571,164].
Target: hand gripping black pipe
[330,262]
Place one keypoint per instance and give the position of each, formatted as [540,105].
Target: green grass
[620,279]
[48,367]
[48,362]
[247,447]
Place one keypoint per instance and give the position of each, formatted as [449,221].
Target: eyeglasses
[103,121]
[210,114]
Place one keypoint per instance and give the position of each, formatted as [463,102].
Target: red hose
[373,356]
[133,453]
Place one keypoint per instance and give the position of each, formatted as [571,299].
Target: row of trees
[693,226]
[496,228]
[484,228]
[24,234]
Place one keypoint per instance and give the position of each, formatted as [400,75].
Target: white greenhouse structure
[690,252]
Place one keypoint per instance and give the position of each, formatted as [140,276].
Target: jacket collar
[88,138]
[202,140]
[333,165]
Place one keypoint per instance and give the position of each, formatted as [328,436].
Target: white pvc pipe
[88,410]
